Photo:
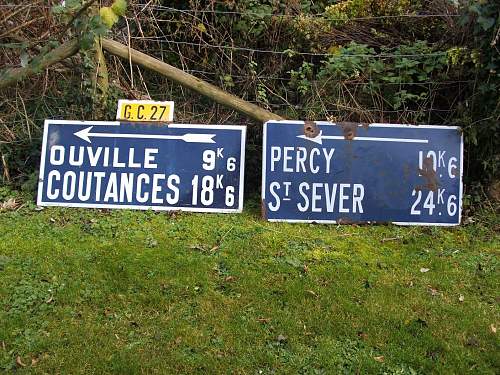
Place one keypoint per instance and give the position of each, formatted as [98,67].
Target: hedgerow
[396,61]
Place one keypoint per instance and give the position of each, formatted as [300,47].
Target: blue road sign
[98,164]
[347,173]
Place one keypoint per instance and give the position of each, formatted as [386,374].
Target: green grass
[83,291]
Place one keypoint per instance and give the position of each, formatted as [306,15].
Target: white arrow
[319,139]
[85,134]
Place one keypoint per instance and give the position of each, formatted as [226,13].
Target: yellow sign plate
[144,110]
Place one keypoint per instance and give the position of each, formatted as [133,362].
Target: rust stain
[429,175]
[311,130]
[350,130]
[406,171]
[347,220]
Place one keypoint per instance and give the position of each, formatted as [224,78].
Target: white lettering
[357,198]
[172,181]
[57,155]
[157,188]
[68,188]
[94,158]
[149,158]
[142,178]
[84,196]
[116,157]
[330,197]
[343,197]
[72,160]
[311,161]
[131,162]
[305,206]
[275,156]
[111,189]
[315,197]
[286,158]
[328,158]
[126,187]
[99,176]
[301,159]
[52,194]
[272,187]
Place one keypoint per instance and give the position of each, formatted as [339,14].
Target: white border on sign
[381,125]
[239,209]
[263,169]
[122,101]
[376,125]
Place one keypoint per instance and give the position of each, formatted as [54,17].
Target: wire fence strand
[288,52]
[264,14]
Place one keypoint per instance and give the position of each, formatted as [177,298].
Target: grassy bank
[83,291]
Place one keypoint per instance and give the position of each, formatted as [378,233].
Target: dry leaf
[198,247]
[281,338]
[19,362]
[461,298]
[107,312]
[433,291]
[34,361]
[9,205]
[493,329]
[3,345]
[229,279]
[379,359]
[424,270]
[311,292]
[362,335]
[201,27]
[390,239]
[264,320]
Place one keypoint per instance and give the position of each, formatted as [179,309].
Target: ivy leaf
[119,7]
[201,27]
[108,17]
[87,41]
[486,22]
[24,58]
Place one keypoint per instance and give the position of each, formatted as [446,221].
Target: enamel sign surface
[142,166]
[349,173]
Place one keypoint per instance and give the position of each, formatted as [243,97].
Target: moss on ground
[86,291]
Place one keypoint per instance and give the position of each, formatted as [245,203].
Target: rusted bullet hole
[429,175]
[349,129]
[311,130]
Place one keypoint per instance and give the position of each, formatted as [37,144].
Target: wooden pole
[189,81]
[11,76]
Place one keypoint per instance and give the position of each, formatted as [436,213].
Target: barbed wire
[261,14]
[349,83]
[250,13]
[288,52]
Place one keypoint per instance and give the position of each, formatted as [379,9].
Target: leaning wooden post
[11,76]
[189,81]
